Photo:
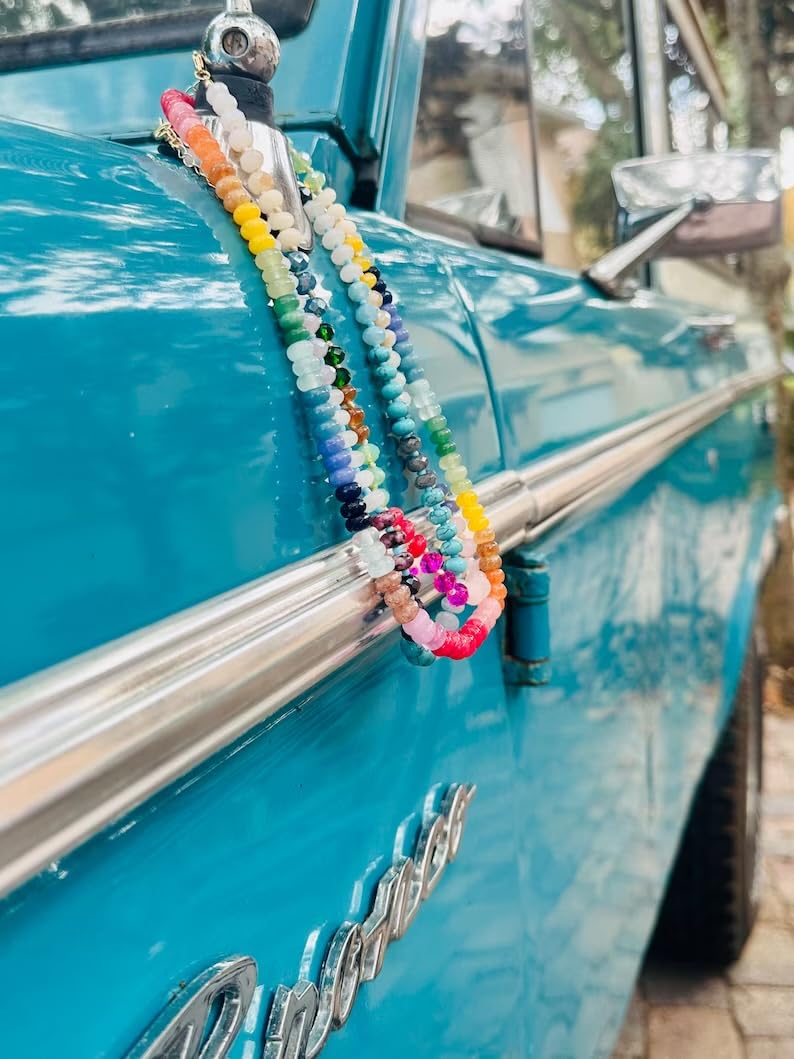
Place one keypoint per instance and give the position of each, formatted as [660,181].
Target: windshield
[39,32]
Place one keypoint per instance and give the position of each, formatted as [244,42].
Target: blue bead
[402,336]
[298,261]
[414,374]
[321,431]
[378,355]
[416,654]
[342,476]
[384,372]
[439,515]
[391,390]
[410,360]
[452,547]
[455,565]
[398,408]
[404,348]
[312,398]
[366,313]
[316,306]
[374,336]
[335,461]
[305,283]
[396,321]
[321,413]
[447,532]
[432,497]
[358,291]
[332,445]
[404,426]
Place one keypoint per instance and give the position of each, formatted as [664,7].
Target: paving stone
[666,984]
[772,908]
[768,958]
[633,1041]
[777,804]
[764,1011]
[777,837]
[770,1048]
[781,874]
[779,777]
[692,1033]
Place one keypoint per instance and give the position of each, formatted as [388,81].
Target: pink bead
[479,588]
[444,582]
[458,595]
[182,126]
[431,562]
[438,638]
[417,624]
[487,612]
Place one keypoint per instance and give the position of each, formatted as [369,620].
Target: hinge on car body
[527,647]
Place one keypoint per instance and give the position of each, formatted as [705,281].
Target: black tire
[713,893]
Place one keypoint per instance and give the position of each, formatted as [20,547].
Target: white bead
[394,360]
[271,201]
[309,382]
[216,92]
[365,536]
[451,608]
[380,569]
[320,348]
[373,549]
[336,397]
[347,226]
[375,299]
[259,182]
[333,239]
[357,458]
[337,211]
[418,387]
[328,374]
[251,160]
[376,499]
[279,221]
[479,589]
[342,254]
[323,224]
[469,547]
[382,319]
[429,411]
[365,479]
[447,621]
[289,239]
[342,417]
[350,437]
[305,366]
[326,197]
[349,273]
[233,119]
[313,209]
[311,322]
[304,348]
[240,139]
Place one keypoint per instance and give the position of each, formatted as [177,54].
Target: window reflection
[583,88]
[472,151]
[695,123]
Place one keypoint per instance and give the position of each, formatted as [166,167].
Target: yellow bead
[369,279]
[356,242]
[480,522]
[254,227]
[466,499]
[261,243]
[248,211]
[363,263]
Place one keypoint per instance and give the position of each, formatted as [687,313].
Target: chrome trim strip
[86,741]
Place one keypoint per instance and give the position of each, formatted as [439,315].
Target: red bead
[408,529]
[417,545]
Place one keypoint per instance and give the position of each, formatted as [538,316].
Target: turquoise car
[235,821]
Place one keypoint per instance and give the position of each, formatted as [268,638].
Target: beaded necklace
[328,396]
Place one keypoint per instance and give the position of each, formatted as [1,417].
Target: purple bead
[394,538]
[458,595]
[402,335]
[382,520]
[396,321]
[431,562]
[445,582]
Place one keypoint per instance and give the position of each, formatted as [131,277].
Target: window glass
[695,124]
[472,151]
[583,93]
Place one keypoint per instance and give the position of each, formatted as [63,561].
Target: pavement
[747,1012]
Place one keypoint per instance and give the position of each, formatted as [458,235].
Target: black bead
[412,583]
[409,445]
[375,271]
[306,195]
[426,480]
[361,522]
[388,297]
[417,463]
[348,492]
[354,509]
[380,286]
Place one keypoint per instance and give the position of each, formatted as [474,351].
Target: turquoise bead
[374,336]
[439,515]
[385,372]
[397,409]
[378,355]
[431,497]
[366,313]
[404,426]
[358,291]
[452,547]
[392,389]
[455,565]
[447,532]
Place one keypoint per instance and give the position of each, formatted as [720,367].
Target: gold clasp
[200,67]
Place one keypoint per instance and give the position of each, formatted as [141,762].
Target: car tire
[713,892]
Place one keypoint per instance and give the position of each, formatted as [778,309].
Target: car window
[472,154]
[695,122]
[585,112]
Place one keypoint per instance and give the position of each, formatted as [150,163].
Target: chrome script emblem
[203,1021]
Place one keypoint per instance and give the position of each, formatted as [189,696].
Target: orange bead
[362,433]
[220,170]
[498,591]
[227,184]
[349,393]
[491,562]
[209,160]
[234,199]
[356,418]
[491,548]
[496,577]
[484,536]
[199,135]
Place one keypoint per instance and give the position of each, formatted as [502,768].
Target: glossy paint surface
[531,941]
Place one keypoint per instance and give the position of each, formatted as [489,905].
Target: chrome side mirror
[690,206]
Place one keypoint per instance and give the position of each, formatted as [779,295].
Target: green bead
[441,437]
[436,423]
[334,356]
[294,334]
[325,332]
[315,182]
[342,378]
[279,289]
[446,449]
[287,303]
[291,317]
